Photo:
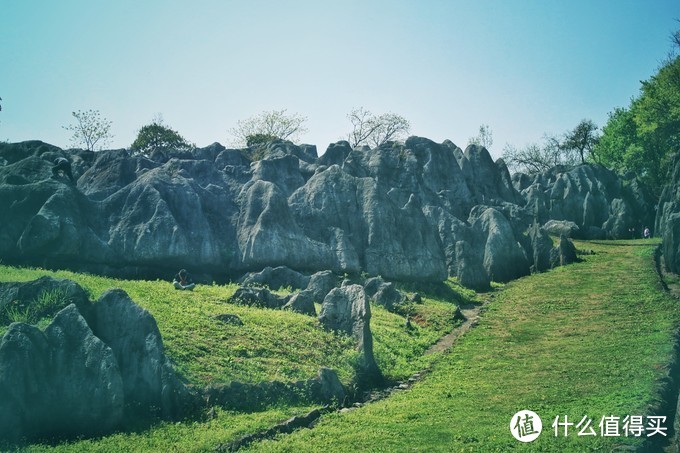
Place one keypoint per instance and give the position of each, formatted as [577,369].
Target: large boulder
[347,310]
[320,284]
[541,246]
[149,381]
[302,302]
[504,258]
[94,366]
[64,382]
[563,253]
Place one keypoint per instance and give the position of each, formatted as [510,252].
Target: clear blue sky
[524,67]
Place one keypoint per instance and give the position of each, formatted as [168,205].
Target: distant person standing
[62,165]
[182,281]
[646,233]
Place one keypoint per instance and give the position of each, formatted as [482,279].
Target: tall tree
[643,137]
[275,124]
[582,139]
[371,130]
[90,130]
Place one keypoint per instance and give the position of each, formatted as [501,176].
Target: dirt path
[471,314]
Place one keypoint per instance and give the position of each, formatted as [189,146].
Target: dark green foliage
[259,139]
[581,140]
[158,137]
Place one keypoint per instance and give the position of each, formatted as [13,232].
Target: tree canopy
[267,126]
[156,136]
[375,130]
[642,137]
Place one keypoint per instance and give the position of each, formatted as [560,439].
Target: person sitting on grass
[183,281]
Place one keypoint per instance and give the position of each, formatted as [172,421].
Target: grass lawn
[588,340]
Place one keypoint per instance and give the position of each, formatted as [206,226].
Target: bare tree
[372,130]
[537,158]
[364,126]
[484,138]
[275,124]
[90,130]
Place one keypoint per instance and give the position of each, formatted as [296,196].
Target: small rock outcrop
[276,278]
[258,297]
[347,310]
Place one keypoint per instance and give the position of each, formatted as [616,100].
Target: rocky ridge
[418,211]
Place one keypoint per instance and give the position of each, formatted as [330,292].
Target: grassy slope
[589,339]
[270,345]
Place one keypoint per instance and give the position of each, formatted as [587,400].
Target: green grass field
[591,339]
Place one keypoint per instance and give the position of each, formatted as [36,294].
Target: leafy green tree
[90,130]
[276,124]
[259,139]
[159,137]
[643,137]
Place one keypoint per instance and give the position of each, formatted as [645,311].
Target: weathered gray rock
[302,302]
[320,284]
[383,293]
[397,210]
[469,267]
[258,297]
[64,382]
[276,278]
[347,310]
[94,365]
[268,233]
[389,296]
[541,247]
[149,380]
[667,222]
[563,253]
[590,196]
[562,228]
[504,258]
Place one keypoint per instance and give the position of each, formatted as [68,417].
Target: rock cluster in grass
[94,365]
[417,211]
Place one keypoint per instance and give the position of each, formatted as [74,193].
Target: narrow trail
[471,314]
